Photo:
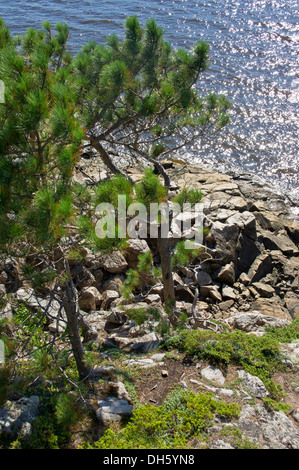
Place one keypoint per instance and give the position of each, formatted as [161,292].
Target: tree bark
[167,278]
[71,307]
[94,142]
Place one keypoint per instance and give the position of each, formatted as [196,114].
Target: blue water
[254,61]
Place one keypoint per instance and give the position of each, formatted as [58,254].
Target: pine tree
[134,97]
[39,146]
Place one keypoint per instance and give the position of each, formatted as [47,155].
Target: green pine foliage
[182,416]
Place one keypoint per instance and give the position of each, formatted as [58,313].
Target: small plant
[141,278]
[183,256]
[192,196]
[182,416]
[149,189]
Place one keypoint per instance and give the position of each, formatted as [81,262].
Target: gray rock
[38,304]
[113,262]
[253,321]
[246,221]
[228,292]
[213,374]
[279,242]
[15,415]
[113,409]
[202,278]
[254,384]
[223,239]
[272,430]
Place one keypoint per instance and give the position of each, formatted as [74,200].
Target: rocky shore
[247,279]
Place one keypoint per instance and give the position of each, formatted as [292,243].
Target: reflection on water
[254,61]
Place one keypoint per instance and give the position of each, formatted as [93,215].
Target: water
[254,61]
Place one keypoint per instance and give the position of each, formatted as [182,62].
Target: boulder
[90,299]
[223,239]
[226,274]
[108,297]
[265,290]
[260,267]
[135,248]
[211,291]
[17,415]
[279,242]
[113,409]
[202,278]
[113,262]
[213,374]
[228,292]
[254,384]
[246,221]
[255,321]
[272,430]
[271,307]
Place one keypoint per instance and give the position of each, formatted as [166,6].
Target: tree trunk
[106,159]
[167,279]
[71,307]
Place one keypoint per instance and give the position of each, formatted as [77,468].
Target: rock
[90,299]
[211,291]
[39,304]
[265,290]
[114,284]
[292,304]
[291,350]
[271,307]
[293,231]
[245,221]
[17,415]
[244,279]
[228,292]
[279,242]
[119,390]
[226,274]
[82,277]
[113,263]
[202,278]
[247,250]
[253,321]
[213,374]
[135,247]
[224,306]
[164,373]
[113,409]
[143,363]
[183,293]
[272,430]
[254,384]
[153,299]
[115,319]
[158,357]
[261,266]
[6,312]
[269,221]
[3,277]
[223,239]
[107,298]
[295,414]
